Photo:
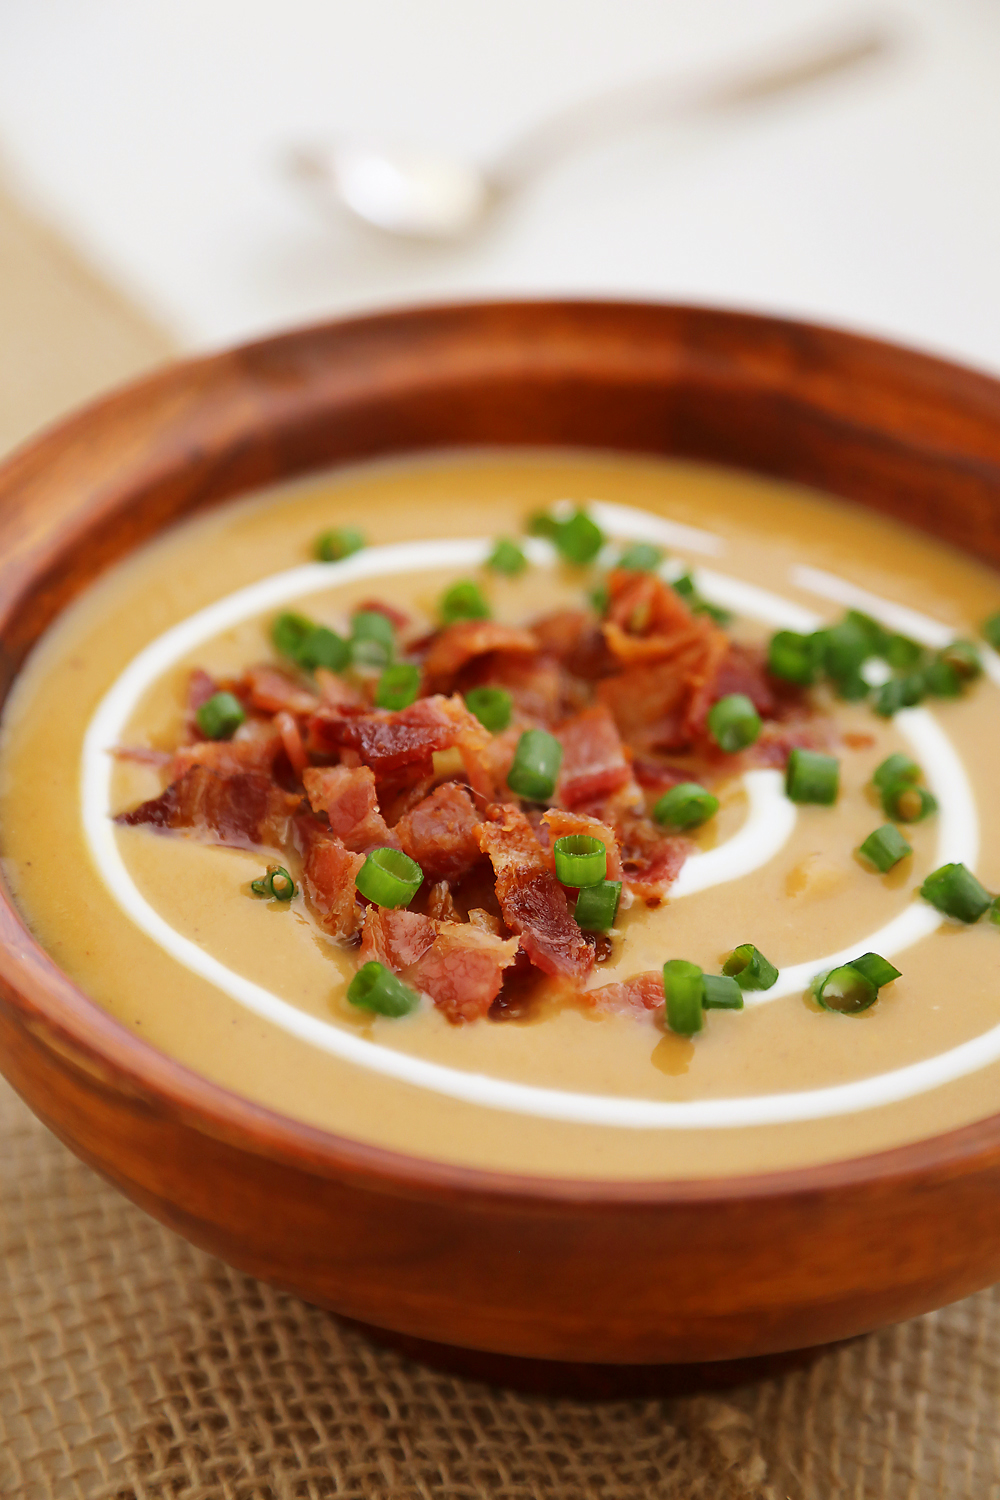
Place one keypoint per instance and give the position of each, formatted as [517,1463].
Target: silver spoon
[424,196]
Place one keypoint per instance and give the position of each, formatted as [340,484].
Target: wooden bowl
[629,1273]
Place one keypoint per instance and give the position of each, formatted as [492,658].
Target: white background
[153,133]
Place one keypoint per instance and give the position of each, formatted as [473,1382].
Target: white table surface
[151,135]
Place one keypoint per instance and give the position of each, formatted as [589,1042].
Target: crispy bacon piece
[252,748]
[389,741]
[460,966]
[440,833]
[244,809]
[271,691]
[142,755]
[641,604]
[641,993]
[655,776]
[561,823]
[328,876]
[651,860]
[200,688]
[531,899]
[291,739]
[336,692]
[663,704]
[593,763]
[455,646]
[744,670]
[440,905]
[348,797]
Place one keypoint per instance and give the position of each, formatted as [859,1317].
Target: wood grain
[622,1273]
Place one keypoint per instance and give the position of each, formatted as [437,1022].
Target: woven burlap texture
[132,1365]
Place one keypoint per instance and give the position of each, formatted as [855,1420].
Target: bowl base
[590,1382]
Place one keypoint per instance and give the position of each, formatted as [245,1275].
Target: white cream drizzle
[769,823]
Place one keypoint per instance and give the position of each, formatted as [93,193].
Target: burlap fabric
[133,1367]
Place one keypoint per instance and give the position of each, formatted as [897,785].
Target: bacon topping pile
[320,775]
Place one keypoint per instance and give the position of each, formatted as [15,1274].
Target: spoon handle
[632,105]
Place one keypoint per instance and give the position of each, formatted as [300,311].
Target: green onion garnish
[751,970]
[492,706]
[220,716]
[536,765]
[506,557]
[844,989]
[995,911]
[895,768]
[845,647]
[374,987]
[641,557]
[684,585]
[990,630]
[597,906]
[955,890]
[899,692]
[685,806]
[721,992]
[885,847]
[289,633]
[940,678]
[331,546]
[812,776]
[963,658]
[277,883]
[877,636]
[581,859]
[541,523]
[373,640]
[323,648]
[795,657]
[733,722]
[578,538]
[902,654]
[908,803]
[683,987]
[389,877]
[398,686]
[463,601]
[876,968]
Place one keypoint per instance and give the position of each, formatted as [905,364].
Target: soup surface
[584,1078]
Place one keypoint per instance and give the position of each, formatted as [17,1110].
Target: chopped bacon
[561,633]
[455,646]
[252,748]
[651,860]
[641,993]
[662,704]
[460,966]
[291,739]
[142,755]
[480,917]
[593,763]
[562,823]
[244,809]
[328,877]
[744,670]
[655,776]
[200,688]
[335,692]
[641,604]
[440,904]
[349,799]
[389,741]
[440,833]
[541,691]
[272,691]
[531,899]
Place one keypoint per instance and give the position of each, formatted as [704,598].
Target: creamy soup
[590,1075]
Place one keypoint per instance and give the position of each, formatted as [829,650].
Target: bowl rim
[81,1032]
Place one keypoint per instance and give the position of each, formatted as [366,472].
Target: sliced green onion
[963,658]
[908,803]
[641,557]
[398,686]
[684,585]
[902,654]
[220,716]
[683,987]
[995,911]
[751,970]
[331,546]
[323,648]
[686,805]
[579,538]
[536,765]
[389,877]
[581,859]
[844,989]
[492,706]
[845,647]
[463,601]
[541,523]
[289,633]
[877,636]
[373,640]
[597,906]
[721,992]
[812,776]
[940,678]
[277,883]
[895,768]
[506,557]
[876,969]
[794,657]
[374,987]
[955,890]
[853,688]
[885,847]
[900,692]
[733,722]
[990,630]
